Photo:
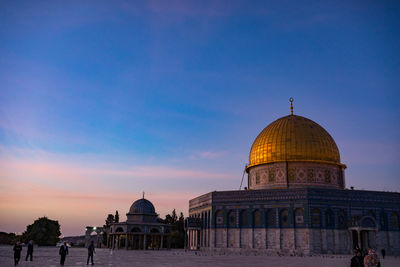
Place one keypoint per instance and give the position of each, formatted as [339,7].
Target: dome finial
[291,105]
[143,194]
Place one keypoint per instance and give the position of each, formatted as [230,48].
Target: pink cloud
[82,193]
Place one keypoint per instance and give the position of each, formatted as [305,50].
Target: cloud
[208,154]
[82,190]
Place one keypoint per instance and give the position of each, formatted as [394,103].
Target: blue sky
[168,96]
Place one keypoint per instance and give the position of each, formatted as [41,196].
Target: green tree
[178,231]
[43,231]
[109,221]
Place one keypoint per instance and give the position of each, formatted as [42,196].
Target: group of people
[63,252]
[17,252]
[369,259]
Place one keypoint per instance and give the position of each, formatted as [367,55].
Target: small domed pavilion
[143,229]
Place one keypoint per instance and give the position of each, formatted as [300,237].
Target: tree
[116,217]
[178,231]
[109,221]
[7,239]
[43,231]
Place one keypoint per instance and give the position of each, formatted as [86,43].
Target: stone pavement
[48,256]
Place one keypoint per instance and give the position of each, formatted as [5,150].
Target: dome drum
[294,151]
[296,174]
[142,210]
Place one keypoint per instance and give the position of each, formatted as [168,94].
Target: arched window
[299,216]
[383,220]
[330,221]
[219,218]
[136,230]
[232,219]
[270,218]
[284,218]
[394,220]
[257,218]
[315,218]
[342,219]
[244,222]
[119,230]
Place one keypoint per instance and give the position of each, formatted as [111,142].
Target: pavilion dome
[142,206]
[294,138]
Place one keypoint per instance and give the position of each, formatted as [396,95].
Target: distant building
[142,229]
[296,200]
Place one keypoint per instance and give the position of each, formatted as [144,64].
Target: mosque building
[296,200]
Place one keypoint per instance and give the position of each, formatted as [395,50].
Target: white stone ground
[105,257]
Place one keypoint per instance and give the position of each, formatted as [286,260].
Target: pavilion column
[144,242]
[113,242]
[126,241]
[359,238]
[162,241]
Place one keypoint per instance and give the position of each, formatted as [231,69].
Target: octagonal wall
[296,174]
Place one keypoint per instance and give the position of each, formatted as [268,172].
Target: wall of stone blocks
[288,240]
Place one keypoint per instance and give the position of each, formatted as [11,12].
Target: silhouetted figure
[63,253]
[30,251]
[371,260]
[357,260]
[17,253]
[383,251]
[91,250]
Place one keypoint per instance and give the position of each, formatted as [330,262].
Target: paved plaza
[48,256]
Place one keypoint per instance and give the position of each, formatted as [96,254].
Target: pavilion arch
[256,218]
[119,230]
[367,221]
[136,230]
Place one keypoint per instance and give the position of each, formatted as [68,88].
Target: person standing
[17,253]
[30,251]
[357,260]
[371,260]
[91,250]
[63,253]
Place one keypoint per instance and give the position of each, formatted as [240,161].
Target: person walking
[357,260]
[63,253]
[371,260]
[91,250]
[30,251]
[17,253]
[383,251]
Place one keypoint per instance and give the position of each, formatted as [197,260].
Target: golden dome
[294,138]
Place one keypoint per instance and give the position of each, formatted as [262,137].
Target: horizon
[100,102]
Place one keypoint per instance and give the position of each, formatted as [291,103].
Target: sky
[102,100]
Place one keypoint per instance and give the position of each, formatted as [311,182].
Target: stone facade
[298,220]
